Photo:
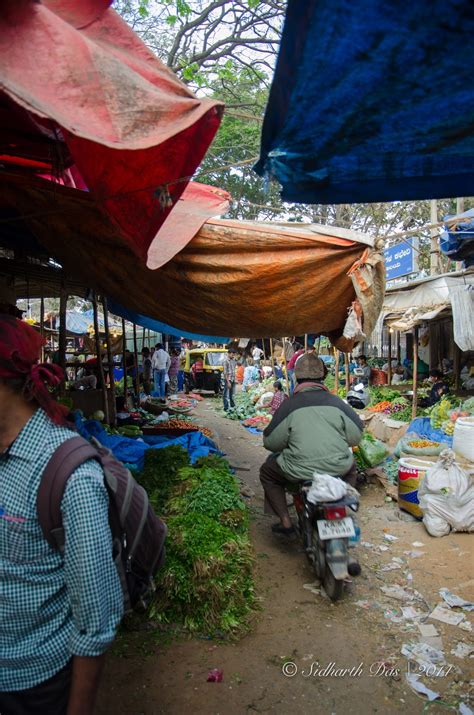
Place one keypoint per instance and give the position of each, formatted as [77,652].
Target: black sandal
[280,529]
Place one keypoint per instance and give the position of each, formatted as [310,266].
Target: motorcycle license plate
[336,528]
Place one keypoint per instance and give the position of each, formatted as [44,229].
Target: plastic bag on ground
[446,497]
[326,488]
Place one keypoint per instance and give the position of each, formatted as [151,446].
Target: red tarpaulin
[81,90]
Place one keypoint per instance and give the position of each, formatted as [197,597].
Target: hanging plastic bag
[446,497]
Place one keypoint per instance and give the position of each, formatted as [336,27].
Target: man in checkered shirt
[58,614]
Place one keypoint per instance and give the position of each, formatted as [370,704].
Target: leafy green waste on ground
[206,585]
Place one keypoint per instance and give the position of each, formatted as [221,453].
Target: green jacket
[313,431]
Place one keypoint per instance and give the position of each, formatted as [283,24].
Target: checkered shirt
[52,607]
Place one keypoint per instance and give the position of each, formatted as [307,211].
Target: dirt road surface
[304,654]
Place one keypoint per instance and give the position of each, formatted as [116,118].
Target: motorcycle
[328,531]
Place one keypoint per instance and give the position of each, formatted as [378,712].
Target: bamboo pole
[113,416]
[42,326]
[271,357]
[399,349]
[288,392]
[347,371]
[62,335]
[415,372]
[263,348]
[100,365]
[135,360]
[456,367]
[306,342]
[143,338]
[336,381]
[389,371]
[124,362]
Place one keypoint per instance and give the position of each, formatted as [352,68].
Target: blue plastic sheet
[132,451]
[457,241]
[159,327]
[372,101]
[422,427]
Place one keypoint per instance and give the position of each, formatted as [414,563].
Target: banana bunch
[448,427]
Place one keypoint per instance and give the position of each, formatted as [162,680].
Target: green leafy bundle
[161,472]
[206,584]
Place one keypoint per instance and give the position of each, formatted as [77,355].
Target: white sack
[446,496]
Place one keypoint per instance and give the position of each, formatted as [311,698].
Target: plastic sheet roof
[372,101]
[84,103]
[457,240]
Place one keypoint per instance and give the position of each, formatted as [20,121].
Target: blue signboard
[399,260]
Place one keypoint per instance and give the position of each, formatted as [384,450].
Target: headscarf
[20,347]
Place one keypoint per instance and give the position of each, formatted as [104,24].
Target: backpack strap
[68,456]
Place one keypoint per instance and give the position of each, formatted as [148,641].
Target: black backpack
[138,534]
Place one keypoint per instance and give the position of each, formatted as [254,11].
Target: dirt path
[299,628]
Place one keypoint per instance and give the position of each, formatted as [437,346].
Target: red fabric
[198,203]
[294,358]
[20,347]
[134,131]
[277,400]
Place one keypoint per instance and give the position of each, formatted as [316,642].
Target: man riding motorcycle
[313,431]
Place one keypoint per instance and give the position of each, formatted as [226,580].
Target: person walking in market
[229,364]
[173,371]
[160,363]
[312,431]
[59,613]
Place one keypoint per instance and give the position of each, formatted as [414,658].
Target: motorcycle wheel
[332,586]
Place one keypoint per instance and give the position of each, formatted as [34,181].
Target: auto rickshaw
[211,376]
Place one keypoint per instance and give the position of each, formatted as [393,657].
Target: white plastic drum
[463,438]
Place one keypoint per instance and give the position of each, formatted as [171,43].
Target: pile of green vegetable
[207,583]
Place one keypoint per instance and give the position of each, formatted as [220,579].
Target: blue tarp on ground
[372,101]
[458,241]
[159,327]
[422,427]
[132,451]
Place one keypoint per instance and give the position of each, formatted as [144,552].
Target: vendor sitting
[278,398]
[438,390]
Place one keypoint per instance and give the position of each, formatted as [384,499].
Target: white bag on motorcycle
[326,488]
[446,497]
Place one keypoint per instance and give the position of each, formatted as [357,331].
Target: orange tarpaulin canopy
[86,103]
[233,277]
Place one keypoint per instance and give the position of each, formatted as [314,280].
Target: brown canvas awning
[233,278]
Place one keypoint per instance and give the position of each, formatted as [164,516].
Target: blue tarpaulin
[159,327]
[132,451]
[457,241]
[372,101]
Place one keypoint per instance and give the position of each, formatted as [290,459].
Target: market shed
[372,101]
[254,278]
[431,298]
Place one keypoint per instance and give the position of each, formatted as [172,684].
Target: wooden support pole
[415,372]
[113,411]
[347,370]
[286,369]
[306,342]
[42,326]
[399,349]
[336,381]
[271,357]
[124,363]
[98,350]
[135,361]
[62,335]
[456,367]
[143,338]
[263,348]
[389,371]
